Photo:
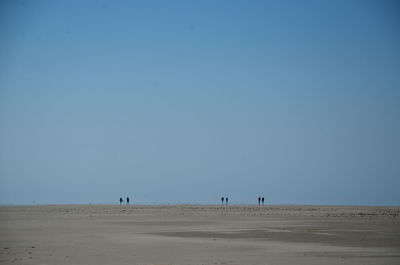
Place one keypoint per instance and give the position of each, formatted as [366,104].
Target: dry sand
[197,234]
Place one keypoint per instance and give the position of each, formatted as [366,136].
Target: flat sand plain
[199,234]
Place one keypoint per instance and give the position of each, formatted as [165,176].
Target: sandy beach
[198,234]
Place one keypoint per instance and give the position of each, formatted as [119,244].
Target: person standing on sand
[120,201]
[127,200]
[222,200]
[259,199]
[262,201]
[226,200]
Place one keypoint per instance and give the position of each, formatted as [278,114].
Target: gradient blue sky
[188,101]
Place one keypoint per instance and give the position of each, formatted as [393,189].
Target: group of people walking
[223,199]
[121,201]
[260,200]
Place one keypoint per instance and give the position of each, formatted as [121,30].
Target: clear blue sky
[188,101]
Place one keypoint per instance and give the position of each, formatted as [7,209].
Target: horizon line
[199,204]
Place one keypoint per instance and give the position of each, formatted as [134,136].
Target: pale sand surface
[197,234]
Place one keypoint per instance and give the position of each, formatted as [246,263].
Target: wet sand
[198,234]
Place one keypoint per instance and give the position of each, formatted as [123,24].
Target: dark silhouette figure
[226,200]
[222,200]
[262,201]
[259,199]
[127,200]
[120,201]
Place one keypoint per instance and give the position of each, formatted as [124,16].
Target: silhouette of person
[262,201]
[259,199]
[226,200]
[222,199]
[127,200]
[120,201]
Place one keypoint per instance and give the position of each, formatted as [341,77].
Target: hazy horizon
[255,204]
[188,101]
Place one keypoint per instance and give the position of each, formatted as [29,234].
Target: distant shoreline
[203,205]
